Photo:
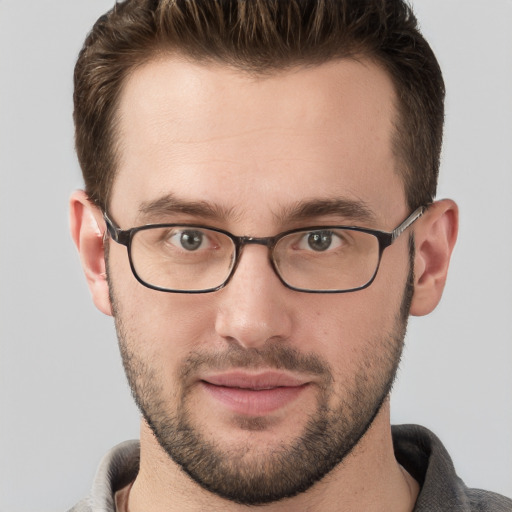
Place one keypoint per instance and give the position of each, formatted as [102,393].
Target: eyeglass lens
[184,258]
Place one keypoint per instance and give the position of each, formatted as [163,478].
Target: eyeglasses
[189,258]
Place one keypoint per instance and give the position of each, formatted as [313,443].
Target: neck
[368,479]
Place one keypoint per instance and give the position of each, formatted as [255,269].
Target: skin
[253,148]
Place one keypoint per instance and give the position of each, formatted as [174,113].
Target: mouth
[254,395]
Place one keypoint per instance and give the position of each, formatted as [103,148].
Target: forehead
[251,143]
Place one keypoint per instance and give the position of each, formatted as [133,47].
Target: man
[259,219]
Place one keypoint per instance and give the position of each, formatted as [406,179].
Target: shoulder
[486,501]
[82,506]
[423,455]
[117,469]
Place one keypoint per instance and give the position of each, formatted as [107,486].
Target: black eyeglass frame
[385,239]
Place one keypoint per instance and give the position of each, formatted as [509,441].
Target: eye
[320,241]
[189,239]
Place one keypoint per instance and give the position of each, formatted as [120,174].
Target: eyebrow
[348,209]
[301,211]
[171,204]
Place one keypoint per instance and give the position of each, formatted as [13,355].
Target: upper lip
[255,381]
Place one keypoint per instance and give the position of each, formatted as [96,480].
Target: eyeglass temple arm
[116,233]
[415,215]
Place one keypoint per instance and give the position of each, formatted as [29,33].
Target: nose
[252,308]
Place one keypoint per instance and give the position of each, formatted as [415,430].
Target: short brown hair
[261,36]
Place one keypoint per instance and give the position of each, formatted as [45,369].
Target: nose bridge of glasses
[267,241]
[242,241]
[239,244]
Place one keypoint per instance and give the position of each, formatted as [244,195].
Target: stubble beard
[251,475]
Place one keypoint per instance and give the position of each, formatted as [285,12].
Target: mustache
[272,356]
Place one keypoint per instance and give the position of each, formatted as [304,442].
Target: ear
[435,237]
[85,221]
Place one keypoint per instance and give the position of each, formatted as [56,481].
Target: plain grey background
[63,397]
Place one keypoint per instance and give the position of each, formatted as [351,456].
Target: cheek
[349,327]
[162,326]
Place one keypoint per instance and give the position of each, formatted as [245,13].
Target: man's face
[256,390]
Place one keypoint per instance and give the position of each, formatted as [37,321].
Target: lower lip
[251,402]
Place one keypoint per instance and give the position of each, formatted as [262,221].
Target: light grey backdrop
[63,398]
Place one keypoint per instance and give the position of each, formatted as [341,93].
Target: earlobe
[435,238]
[85,222]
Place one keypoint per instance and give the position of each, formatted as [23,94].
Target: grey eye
[320,240]
[190,240]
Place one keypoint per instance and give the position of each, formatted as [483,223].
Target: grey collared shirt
[417,449]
